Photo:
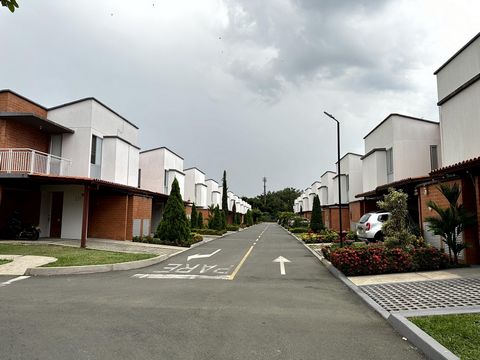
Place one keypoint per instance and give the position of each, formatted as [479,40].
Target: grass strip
[458,333]
[71,256]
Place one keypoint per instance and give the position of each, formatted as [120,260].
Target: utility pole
[264,191]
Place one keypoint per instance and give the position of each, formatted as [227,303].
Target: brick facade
[139,208]
[331,215]
[108,216]
[14,134]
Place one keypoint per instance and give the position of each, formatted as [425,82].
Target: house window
[433,157]
[96,154]
[390,161]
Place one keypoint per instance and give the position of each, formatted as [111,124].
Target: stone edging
[428,345]
[90,269]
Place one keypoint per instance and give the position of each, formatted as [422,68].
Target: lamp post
[339,177]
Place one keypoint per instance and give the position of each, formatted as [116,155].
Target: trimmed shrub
[233,227]
[329,235]
[210,232]
[200,221]
[316,223]
[428,258]
[194,217]
[298,230]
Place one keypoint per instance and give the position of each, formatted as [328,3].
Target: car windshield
[364,218]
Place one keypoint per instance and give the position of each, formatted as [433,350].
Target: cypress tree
[249,218]
[194,217]
[223,220]
[234,212]
[316,223]
[224,194]
[200,220]
[174,226]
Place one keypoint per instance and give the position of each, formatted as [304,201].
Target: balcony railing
[31,161]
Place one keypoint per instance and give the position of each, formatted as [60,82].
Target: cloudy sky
[239,85]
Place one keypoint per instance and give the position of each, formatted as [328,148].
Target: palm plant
[451,221]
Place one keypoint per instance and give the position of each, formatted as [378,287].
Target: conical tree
[200,221]
[223,220]
[234,212]
[316,223]
[194,217]
[224,193]
[174,226]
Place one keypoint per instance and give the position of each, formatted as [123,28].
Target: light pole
[339,177]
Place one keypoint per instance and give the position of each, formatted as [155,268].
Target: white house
[327,190]
[398,148]
[158,168]
[213,193]
[104,144]
[195,187]
[458,88]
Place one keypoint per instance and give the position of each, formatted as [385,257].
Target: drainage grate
[452,293]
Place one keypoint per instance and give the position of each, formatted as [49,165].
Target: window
[433,157]
[390,161]
[96,154]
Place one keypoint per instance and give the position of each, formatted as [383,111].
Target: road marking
[232,276]
[179,276]
[198,256]
[18,278]
[282,262]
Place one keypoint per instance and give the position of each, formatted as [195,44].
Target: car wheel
[378,236]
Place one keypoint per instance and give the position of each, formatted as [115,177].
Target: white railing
[32,162]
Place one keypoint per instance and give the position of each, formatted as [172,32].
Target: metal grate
[452,293]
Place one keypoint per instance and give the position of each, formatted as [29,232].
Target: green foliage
[276,202]
[237,219]
[194,217]
[10,4]
[210,232]
[224,194]
[284,218]
[316,223]
[174,226]
[223,219]
[396,230]
[451,221]
[256,215]
[234,212]
[351,235]
[233,227]
[249,218]
[200,221]
[296,230]
[300,221]
[216,221]
[329,235]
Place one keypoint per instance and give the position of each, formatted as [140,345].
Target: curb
[91,269]
[417,337]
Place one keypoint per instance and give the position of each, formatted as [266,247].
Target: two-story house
[458,87]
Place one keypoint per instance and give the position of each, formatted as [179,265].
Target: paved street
[226,299]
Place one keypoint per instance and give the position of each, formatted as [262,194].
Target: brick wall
[355,210]
[108,216]
[333,217]
[140,209]
[307,215]
[17,135]
[12,103]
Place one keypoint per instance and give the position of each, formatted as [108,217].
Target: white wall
[374,170]
[462,68]
[460,126]
[72,213]
[327,180]
[212,191]
[159,167]
[193,177]
[343,188]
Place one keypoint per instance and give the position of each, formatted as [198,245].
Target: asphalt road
[226,299]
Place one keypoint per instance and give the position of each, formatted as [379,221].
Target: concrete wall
[193,177]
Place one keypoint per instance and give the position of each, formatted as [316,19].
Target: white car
[369,227]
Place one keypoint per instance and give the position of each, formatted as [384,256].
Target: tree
[174,226]
[249,218]
[238,219]
[396,230]
[234,212]
[316,223]
[194,217]
[223,220]
[10,4]
[451,221]
[224,193]
[200,221]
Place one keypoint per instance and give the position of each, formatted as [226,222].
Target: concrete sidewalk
[20,263]
[460,273]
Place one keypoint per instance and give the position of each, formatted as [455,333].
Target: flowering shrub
[311,238]
[428,258]
[376,259]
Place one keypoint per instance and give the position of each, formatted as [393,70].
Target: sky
[239,85]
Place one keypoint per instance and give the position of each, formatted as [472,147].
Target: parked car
[369,228]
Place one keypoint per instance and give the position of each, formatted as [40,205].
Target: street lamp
[339,177]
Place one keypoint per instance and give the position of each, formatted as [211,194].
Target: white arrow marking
[198,256]
[282,262]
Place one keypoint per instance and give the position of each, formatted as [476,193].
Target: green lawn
[71,256]
[458,333]
[2,261]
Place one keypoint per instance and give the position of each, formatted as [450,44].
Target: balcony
[29,161]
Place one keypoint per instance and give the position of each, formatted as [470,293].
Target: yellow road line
[232,276]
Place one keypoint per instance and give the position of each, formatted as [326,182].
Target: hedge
[210,232]
[373,260]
